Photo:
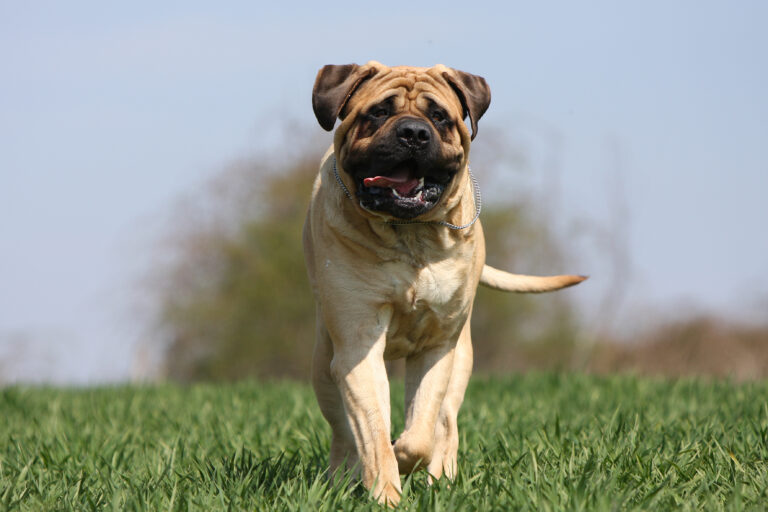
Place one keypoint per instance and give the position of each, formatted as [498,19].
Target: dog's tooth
[394,192]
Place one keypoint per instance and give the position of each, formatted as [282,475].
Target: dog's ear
[334,86]
[473,92]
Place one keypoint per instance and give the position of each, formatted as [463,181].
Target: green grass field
[534,442]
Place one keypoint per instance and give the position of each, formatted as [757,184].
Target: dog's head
[402,145]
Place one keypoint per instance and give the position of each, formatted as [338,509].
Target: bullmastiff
[395,253]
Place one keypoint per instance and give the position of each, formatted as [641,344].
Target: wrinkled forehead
[406,84]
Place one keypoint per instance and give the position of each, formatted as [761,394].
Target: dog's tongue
[399,180]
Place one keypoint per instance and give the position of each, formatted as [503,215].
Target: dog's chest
[430,303]
[434,286]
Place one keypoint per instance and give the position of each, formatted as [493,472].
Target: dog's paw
[412,453]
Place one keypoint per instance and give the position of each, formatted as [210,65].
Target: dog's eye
[379,113]
[438,116]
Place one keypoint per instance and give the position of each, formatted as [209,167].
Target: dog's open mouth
[400,191]
[401,183]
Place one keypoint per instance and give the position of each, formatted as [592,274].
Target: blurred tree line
[230,296]
[233,299]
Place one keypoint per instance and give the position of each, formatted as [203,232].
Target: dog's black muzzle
[402,173]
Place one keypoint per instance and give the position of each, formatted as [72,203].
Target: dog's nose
[413,133]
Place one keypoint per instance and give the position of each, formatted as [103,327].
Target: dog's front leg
[426,379]
[359,371]
[444,456]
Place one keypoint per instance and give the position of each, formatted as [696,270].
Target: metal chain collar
[475,188]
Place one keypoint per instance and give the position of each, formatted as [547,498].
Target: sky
[654,115]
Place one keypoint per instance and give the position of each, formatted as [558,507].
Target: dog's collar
[475,188]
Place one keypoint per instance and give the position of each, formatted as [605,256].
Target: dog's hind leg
[343,455]
[444,455]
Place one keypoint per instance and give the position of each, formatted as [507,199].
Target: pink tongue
[400,180]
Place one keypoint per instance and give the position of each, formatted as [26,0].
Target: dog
[394,253]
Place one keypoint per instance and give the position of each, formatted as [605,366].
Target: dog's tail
[506,282]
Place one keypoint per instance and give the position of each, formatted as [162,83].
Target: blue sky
[108,114]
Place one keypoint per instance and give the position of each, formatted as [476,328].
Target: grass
[533,442]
